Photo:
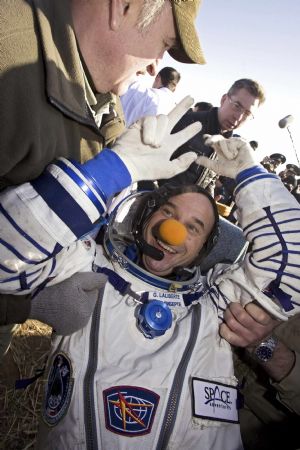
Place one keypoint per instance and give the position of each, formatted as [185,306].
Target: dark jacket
[210,125]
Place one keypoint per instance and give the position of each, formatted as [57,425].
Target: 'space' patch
[129,410]
[58,390]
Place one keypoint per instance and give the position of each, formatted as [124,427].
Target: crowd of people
[290,177]
[161,337]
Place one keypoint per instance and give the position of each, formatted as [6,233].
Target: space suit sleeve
[53,212]
[43,221]
[270,273]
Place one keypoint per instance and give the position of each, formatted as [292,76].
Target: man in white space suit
[149,368]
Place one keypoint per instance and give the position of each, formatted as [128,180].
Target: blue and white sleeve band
[251,175]
[78,194]
[106,173]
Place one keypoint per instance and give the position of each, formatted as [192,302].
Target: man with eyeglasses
[239,104]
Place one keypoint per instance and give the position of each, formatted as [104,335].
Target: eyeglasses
[237,107]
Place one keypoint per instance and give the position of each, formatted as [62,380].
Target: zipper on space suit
[174,396]
[88,389]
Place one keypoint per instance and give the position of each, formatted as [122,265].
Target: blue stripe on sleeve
[107,171]
[22,232]
[255,170]
[83,186]
[255,178]
[63,204]
[18,255]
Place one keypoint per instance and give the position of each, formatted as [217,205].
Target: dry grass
[19,409]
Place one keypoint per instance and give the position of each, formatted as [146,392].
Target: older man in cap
[63,64]
[73,56]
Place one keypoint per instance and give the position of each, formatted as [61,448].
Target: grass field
[19,409]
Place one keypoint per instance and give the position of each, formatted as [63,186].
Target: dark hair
[254,144]
[253,87]
[290,179]
[278,157]
[169,77]
[203,106]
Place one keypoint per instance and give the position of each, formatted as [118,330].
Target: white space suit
[116,389]
[111,387]
[108,382]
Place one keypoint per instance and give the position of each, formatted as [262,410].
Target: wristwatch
[264,351]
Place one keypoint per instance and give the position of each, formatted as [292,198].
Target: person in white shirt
[141,101]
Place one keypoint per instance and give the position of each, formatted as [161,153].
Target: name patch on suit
[214,401]
[170,298]
[129,410]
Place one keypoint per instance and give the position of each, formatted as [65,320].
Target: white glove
[146,147]
[233,156]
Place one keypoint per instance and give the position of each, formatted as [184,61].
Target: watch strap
[264,351]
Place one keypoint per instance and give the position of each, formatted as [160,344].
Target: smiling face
[195,212]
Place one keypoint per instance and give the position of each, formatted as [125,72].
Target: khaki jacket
[43,109]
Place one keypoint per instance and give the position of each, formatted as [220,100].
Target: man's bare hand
[244,327]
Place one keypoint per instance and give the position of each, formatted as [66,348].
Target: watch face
[264,353]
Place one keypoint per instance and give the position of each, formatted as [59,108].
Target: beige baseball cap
[185,13]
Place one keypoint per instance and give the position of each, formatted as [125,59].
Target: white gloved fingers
[219,165]
[211,164]
[149,125]
[146,147]
[227,148]
[162,124]
[233,156]
[180,164]
[244,146]
[212,140]
[180,109]
[222,145]
[238,149]
[236,144]
[184,135]
[155,129]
